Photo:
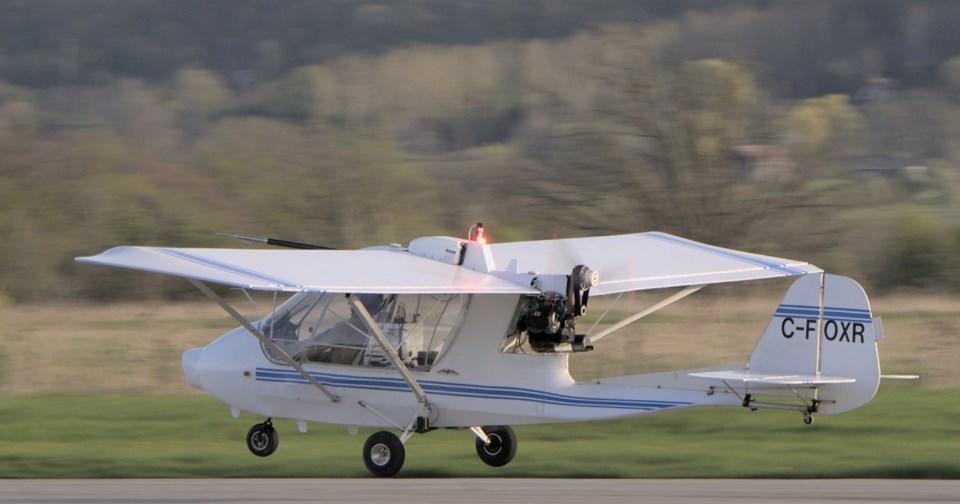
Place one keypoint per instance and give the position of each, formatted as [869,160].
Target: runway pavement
[521,491]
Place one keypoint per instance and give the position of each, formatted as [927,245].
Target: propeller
[275,242]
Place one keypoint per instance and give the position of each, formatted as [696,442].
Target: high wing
[348,271]
[630,262]
[644,261]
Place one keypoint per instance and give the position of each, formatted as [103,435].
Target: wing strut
[263,338]
[389,351]
[677,296]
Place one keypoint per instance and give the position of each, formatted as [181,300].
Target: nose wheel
[262,439]
[502,446]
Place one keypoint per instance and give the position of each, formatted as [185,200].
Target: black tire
[383,454]
[502,447]
[262,439]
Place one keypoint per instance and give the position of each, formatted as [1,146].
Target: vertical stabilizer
[842,343]
[789,344]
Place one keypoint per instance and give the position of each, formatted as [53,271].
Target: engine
[549,319]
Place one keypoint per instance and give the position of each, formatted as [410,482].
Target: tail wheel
[502,447]
[262,439]
[383,454]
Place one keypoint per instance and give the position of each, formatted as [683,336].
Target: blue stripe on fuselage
[463,390]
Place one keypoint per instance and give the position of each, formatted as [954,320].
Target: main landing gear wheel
[502,447]
[262,439]
[383,454]
[807,418]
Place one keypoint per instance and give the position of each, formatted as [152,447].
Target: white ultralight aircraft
[459,333]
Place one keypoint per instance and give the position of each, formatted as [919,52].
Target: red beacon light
[476,234]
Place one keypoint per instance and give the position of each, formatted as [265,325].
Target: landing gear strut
[383,454]
[262,439]
[501,448]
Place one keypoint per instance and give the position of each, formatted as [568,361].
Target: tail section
[841,344]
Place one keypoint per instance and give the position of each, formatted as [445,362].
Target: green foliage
[716,96]
[291,97]
[917,252]
[812,48]
[687,123]
[17,109]
[819,124]
[952,269]
[200,91]
[950,76]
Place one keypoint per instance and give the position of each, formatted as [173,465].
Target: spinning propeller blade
[276,242]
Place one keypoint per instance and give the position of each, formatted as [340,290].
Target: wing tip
[100,258]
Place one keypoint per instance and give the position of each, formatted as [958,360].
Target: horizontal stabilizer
[772,378]
[906,377]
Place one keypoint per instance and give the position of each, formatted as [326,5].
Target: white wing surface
[353,271]
[644,261]
[628,262]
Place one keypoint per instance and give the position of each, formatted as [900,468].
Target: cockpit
[324,328]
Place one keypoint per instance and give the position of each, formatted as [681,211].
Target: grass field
[96,391]
[907,432]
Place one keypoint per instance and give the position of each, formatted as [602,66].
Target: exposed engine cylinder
[550,318]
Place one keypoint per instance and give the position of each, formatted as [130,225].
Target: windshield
[323,327]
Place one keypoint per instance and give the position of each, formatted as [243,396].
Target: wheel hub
[260,440]
[495,446]
[380,454]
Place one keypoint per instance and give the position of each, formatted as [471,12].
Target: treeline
[60,42]
[802,49]
[685,122]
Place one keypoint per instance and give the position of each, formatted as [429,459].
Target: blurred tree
[950,77]
[291,97]
[745,123]
[916,254]
[820,129]
[200,91]
[953,259]
[199,95]
[682,166]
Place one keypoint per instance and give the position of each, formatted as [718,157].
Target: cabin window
[324,328]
